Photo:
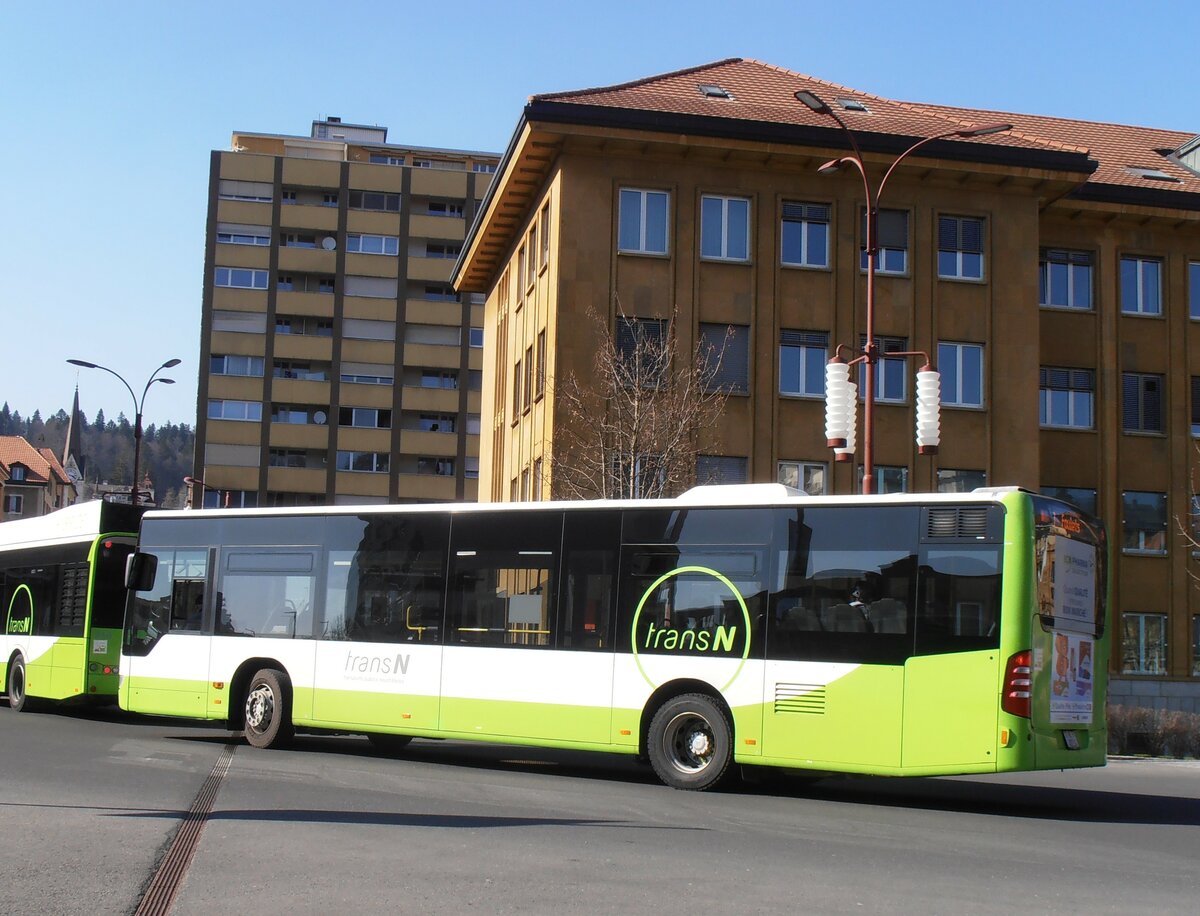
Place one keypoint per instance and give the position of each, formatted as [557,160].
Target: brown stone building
[337,363]
[1053,270]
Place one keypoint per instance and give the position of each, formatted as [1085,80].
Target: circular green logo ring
[675,572]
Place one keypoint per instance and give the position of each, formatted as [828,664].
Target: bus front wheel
[690,743]
[269,709]
[18,699]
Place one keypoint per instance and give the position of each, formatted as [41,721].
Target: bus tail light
[1018,685]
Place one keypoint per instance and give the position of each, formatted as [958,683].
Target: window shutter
[892,226]
[1195,399]
[947,233]
[971,232]
[1151,403]
[817,213]
[1129,401]
[803,338]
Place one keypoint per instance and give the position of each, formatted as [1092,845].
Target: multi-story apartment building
[337,362]
[1052,270]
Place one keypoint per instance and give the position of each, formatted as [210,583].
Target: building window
[949,481]
[961,366]
[254,191]
[891,375]
[437,293]
[444,208]
[730,344]
[1143,643]
[230,499]
[531,275]
[228,234]
[1065,397]
[483,167]
[638,341]
[436,423]
[1082,497]
[642,221]
[725,228]
[14,504]
[287,458]
[1196,405]
[1141,402]
[1194,289]
[368,417]
[805,235]
[473,421]
[516,400]
[541,365]
[17,473]
[373,244]
[720,469]
[371,462]
[250,366]
[241,278]
[1144,522]
[384,159]
[374,200]
[887,479]
[1195,645]
[1141,286]
[1065,279]
[297,240]
[471,468]
[544,226]
[475,338]
[439,467]
[234,410]
[442,250]
[960,248]
[802,358]
[528,382]
[891,242]
[808,476]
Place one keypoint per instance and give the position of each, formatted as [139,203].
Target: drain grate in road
[172,868]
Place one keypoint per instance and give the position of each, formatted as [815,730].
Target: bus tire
[269,709]
[389,744]
[18,699]
[690,742]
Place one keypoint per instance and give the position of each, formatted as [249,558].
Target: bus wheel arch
[677,714]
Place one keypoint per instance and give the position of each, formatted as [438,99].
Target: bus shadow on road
[1000,799]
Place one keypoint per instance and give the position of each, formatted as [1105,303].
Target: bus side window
[591,543]
[959,599]
[149,615]
[187,604]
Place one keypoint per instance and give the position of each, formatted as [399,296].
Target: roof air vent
[853,105]
[714,92]
[1154,174]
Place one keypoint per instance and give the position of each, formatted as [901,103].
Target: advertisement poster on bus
[1074,583]
[1071,684]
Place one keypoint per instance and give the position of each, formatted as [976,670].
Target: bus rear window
[108,587]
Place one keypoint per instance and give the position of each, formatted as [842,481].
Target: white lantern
[846,452]
[929,408]
[839,403]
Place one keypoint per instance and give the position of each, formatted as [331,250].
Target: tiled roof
[764,93]
[15,450]
[55,465]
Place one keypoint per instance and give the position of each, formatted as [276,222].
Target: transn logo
[19,626]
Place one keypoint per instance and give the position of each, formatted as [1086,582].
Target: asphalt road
[90,803]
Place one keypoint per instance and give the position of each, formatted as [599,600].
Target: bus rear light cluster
[1018,685]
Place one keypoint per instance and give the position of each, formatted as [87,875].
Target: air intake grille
[805,699]
[958,522]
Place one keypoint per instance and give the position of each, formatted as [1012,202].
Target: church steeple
[72,457]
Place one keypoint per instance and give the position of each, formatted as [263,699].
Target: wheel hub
[259,707]
[699,744]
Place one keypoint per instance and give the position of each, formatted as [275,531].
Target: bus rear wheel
[690,743]
[18,699]
[269,709]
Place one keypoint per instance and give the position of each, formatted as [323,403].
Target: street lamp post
[868,355]
[137,409]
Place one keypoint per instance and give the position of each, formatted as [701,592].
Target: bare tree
[634,427]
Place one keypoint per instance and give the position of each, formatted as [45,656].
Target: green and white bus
[899,635]
[62,593]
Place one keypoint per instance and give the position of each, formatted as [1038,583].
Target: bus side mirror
[140,571]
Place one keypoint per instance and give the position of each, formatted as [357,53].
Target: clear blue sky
[110,111]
